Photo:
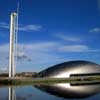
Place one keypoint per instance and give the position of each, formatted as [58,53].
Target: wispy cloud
[4,48]
[76,48]
[3,69]
[31,27]
[33,50]
[4,25]
[67,38]
[42,53]
[23,56]
[96,30]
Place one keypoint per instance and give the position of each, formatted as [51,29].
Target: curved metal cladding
[66,69]
[65,90]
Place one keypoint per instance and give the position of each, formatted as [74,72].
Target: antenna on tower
[16,35]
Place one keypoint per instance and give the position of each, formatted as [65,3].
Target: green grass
[30,81]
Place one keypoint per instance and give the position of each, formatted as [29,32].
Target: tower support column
[12,45]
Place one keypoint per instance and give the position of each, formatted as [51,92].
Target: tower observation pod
[13,44]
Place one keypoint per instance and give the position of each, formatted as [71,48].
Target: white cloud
[41,54]
[97,29]
[31,27]
[42,46]
[22,56]
[4,25]
[34,50]
[4,48]
[76,48]
[4,53]
[67,38]
[3,69]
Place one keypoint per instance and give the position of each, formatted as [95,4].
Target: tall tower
[13,45]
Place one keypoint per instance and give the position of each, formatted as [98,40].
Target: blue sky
[51,32]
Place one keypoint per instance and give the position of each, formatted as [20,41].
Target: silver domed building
[70,69]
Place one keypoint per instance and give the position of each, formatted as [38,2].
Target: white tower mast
[12,52]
